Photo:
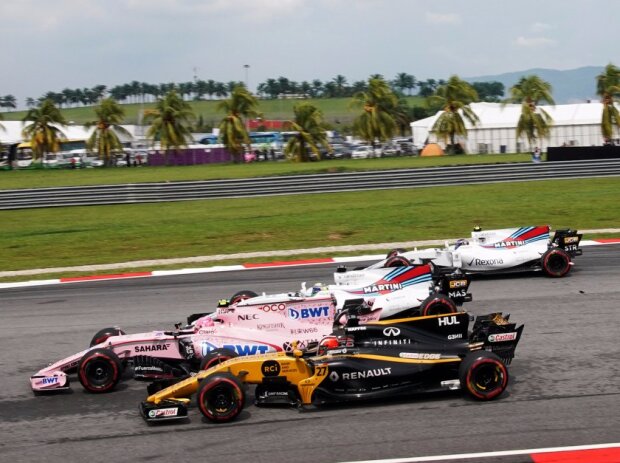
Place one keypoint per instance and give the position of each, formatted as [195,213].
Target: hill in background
[570,86]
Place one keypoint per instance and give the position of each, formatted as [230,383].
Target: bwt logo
[241,349]
[52,380]
[311,312]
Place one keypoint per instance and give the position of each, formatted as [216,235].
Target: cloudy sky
[52,45]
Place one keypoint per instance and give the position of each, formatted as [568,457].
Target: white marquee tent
[573,125]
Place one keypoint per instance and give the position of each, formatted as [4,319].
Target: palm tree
[105,138]
[170,122]
[454,96]
[534,122]
[309,125]
[240,106]
[607,86]
[379,104]
[42,132]
[404,81]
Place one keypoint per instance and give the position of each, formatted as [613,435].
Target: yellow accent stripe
[402,320]
[385,358]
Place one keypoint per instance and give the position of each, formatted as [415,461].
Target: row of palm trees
[382,113]
[142,92]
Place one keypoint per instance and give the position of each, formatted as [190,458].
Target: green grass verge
[71,236]
[336,111]
[41,178]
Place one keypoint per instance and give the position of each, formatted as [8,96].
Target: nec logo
[247,317]
[391,331]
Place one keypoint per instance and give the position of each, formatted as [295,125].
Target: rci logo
[310,312]
[391,331]
[270,368]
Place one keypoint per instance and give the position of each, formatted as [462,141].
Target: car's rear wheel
[221,397]
[103,334]
[216,357]
[556,263]
[437,304]
[241,296]
[483,375]
[99,370]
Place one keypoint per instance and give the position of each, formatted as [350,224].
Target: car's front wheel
[99,370]
[216,357]
[221,397]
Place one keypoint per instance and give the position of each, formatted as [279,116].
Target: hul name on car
[445,321]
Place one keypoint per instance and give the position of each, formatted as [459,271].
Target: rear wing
[568,240]
[455,286]
[497,334]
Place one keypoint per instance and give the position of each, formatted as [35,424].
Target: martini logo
[382,288]
[509,244]
[270,368]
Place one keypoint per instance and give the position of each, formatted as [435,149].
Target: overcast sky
[52,45]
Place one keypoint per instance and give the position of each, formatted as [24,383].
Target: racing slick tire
[103,334]
[241,296]
[99,370]
[437,304]
[556,262]
[483,375]
[221,397]
[215,357]
[397,261]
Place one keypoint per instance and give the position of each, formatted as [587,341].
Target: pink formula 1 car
[251,324]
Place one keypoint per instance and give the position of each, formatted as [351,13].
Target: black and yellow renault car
[359,361]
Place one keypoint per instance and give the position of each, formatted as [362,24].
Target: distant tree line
[197,90]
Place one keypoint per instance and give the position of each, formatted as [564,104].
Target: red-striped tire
[216,357]
[99,370]
[556,263]
[397,261]
[437,304]
[221,397]
[483,375]
[103,334]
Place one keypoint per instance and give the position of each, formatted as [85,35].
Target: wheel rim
[556,263]
[99,372]
[487,378]
[221,401]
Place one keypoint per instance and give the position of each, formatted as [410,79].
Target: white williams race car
[499,251]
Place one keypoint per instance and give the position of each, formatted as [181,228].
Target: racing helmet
[477,228]
[460,242]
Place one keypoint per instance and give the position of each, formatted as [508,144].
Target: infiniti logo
[391,331]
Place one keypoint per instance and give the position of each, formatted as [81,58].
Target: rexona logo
[366,374]
[310,312]
[502,337]
[509,244]
[383,287]
[240,349]
[270,368]
[151,348]
[486,262]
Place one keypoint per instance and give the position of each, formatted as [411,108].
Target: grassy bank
[41,178]
[105,234]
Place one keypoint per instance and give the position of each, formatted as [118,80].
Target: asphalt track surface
[564,390]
